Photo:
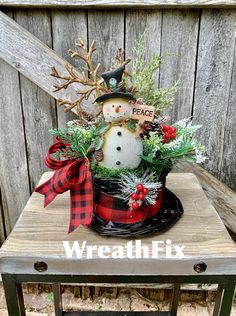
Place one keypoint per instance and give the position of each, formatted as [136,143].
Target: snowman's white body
[121,148]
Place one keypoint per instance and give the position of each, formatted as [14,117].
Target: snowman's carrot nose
[117,109]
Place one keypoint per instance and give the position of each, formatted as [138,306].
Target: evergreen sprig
[77,140]
[161,155]
[143,76]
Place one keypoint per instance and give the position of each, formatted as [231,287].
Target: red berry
[173,135]
[134,196]
[140,187]
[173,129]
[141,196]
[135,205]
[145,191]
[164,128]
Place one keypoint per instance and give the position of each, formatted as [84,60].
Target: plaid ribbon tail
[46,190]
[70,175]
[82,204]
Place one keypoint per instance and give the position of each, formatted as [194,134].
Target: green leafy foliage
[102,172]
[77,140]
[98,142]
[163,155]
[102,128]
[152,144]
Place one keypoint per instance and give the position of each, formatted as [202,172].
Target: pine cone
[74,123]
[152,127]
[78,122]
[98,155]
[87,116]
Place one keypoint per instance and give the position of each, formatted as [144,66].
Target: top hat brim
[171,210]
[115,95]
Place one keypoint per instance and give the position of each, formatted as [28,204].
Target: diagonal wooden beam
[31,57]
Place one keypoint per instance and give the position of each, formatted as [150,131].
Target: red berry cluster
[169,133]
[138,197]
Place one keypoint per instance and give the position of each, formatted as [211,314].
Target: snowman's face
[115,110]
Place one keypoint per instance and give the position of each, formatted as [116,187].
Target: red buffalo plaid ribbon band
[111,209]
[73,175]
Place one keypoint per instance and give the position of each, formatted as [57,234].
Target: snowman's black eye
[113,105]
[119,106]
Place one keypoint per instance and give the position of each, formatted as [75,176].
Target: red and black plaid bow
[73,175]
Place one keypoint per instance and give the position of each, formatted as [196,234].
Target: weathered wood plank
[107,29]
[121,3]
[64,37]
[31,57]
[228,161]
[214,71]
[222,197]
[138,21]
[38,107]
[14,181]
[179,38]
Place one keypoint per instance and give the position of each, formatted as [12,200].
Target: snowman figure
[121,149]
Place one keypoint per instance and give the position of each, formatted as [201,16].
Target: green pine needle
[143,76]
[78,139]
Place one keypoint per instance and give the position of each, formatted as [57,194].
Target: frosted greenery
[143,77]
[128,182]
[152,143]
[183,147]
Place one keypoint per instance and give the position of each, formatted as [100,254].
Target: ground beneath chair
[127,299]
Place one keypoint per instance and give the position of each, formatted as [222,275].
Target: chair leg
[218,300]
[175,299]
[56,288]
[14,295]
[224,299]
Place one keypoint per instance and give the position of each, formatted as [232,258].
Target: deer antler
[120,57]
[92,82]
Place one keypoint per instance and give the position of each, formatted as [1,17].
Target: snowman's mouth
[118,116]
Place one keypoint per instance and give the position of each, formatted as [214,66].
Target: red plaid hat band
[106,210]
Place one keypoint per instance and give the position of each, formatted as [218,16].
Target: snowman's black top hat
[112,79]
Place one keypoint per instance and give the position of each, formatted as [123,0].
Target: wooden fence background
[202,44]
